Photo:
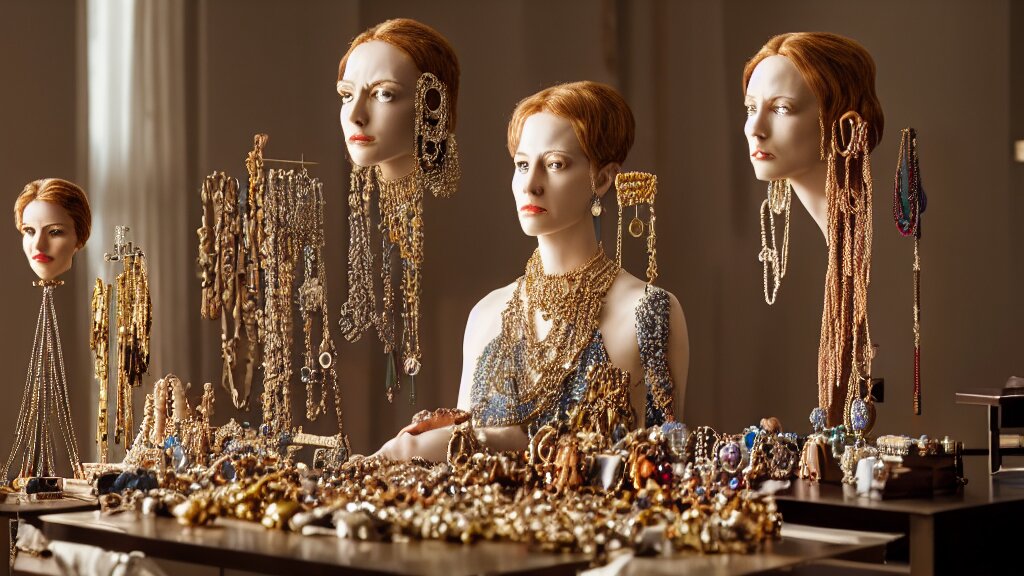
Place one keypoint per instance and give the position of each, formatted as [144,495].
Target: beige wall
[38,139]
[943,67]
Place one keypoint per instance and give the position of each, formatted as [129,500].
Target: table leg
[995,460]
[7,542]
[922,544]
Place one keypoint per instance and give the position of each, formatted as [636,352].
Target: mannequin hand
[431,445]
[427,420]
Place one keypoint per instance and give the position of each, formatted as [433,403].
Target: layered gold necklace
[572,303]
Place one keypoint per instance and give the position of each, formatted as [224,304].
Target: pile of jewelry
[655,490]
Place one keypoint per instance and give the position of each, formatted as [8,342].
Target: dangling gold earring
[437,156]
[633,189]
[821,136]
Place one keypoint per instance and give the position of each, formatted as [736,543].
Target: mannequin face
[551,182]
[377,104]
[783,134]
[48,238]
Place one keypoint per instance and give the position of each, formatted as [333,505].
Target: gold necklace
[401,221]
[572,303]
[778,202]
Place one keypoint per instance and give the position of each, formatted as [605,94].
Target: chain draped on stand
[845,350]
[909,202]
[133,317]
[250,248]
[45,397]
[99,343]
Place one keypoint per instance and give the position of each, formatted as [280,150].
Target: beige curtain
[136,157]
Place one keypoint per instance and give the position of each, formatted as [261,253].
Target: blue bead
[734,482]
[749,438]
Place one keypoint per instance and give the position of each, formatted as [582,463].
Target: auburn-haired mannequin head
[839,71]
[63,193]
[55,221]
[599,115]
[429,50]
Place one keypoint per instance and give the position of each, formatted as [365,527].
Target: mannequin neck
[810,189]
[397,168]
[567,249]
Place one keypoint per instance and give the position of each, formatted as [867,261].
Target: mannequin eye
[56,232]
[383,95]
[782,109]
[556,165]
[28,231]
[522,166]
[751,109]
[346,97]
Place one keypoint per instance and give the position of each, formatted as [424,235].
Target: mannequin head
[54,220]
[567,143]
[796,88]
[377,83]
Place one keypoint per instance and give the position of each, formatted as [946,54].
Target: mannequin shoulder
[627,292]
[485,317]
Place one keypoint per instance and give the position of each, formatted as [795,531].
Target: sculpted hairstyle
[65,194]
[839,71]
[599,115]
[429,50]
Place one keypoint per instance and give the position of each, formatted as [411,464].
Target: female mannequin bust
[804,93]
[54,220]
[795,89]
[399,84]
[567,142]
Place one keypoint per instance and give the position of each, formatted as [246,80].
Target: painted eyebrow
[44,226]
[374,84]
[545,153]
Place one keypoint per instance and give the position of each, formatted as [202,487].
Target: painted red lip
[531,209]
[361,138]
[42,258]
[762,155]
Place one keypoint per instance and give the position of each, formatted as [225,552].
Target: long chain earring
[908,204]
[437,155]
[633,189]
[845,349]
[779,201]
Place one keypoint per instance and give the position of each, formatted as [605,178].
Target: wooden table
[11,512]
[232,544]
[957,533]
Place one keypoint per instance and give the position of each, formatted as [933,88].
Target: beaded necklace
[908,203]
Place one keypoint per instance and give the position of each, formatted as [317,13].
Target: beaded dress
[494,408]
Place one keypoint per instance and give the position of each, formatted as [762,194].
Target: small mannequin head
[567,143]
[377,83]
[54,220]
[796,88]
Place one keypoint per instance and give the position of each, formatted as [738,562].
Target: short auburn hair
[65,194]
[839,71]
[429,50]
[599,116]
